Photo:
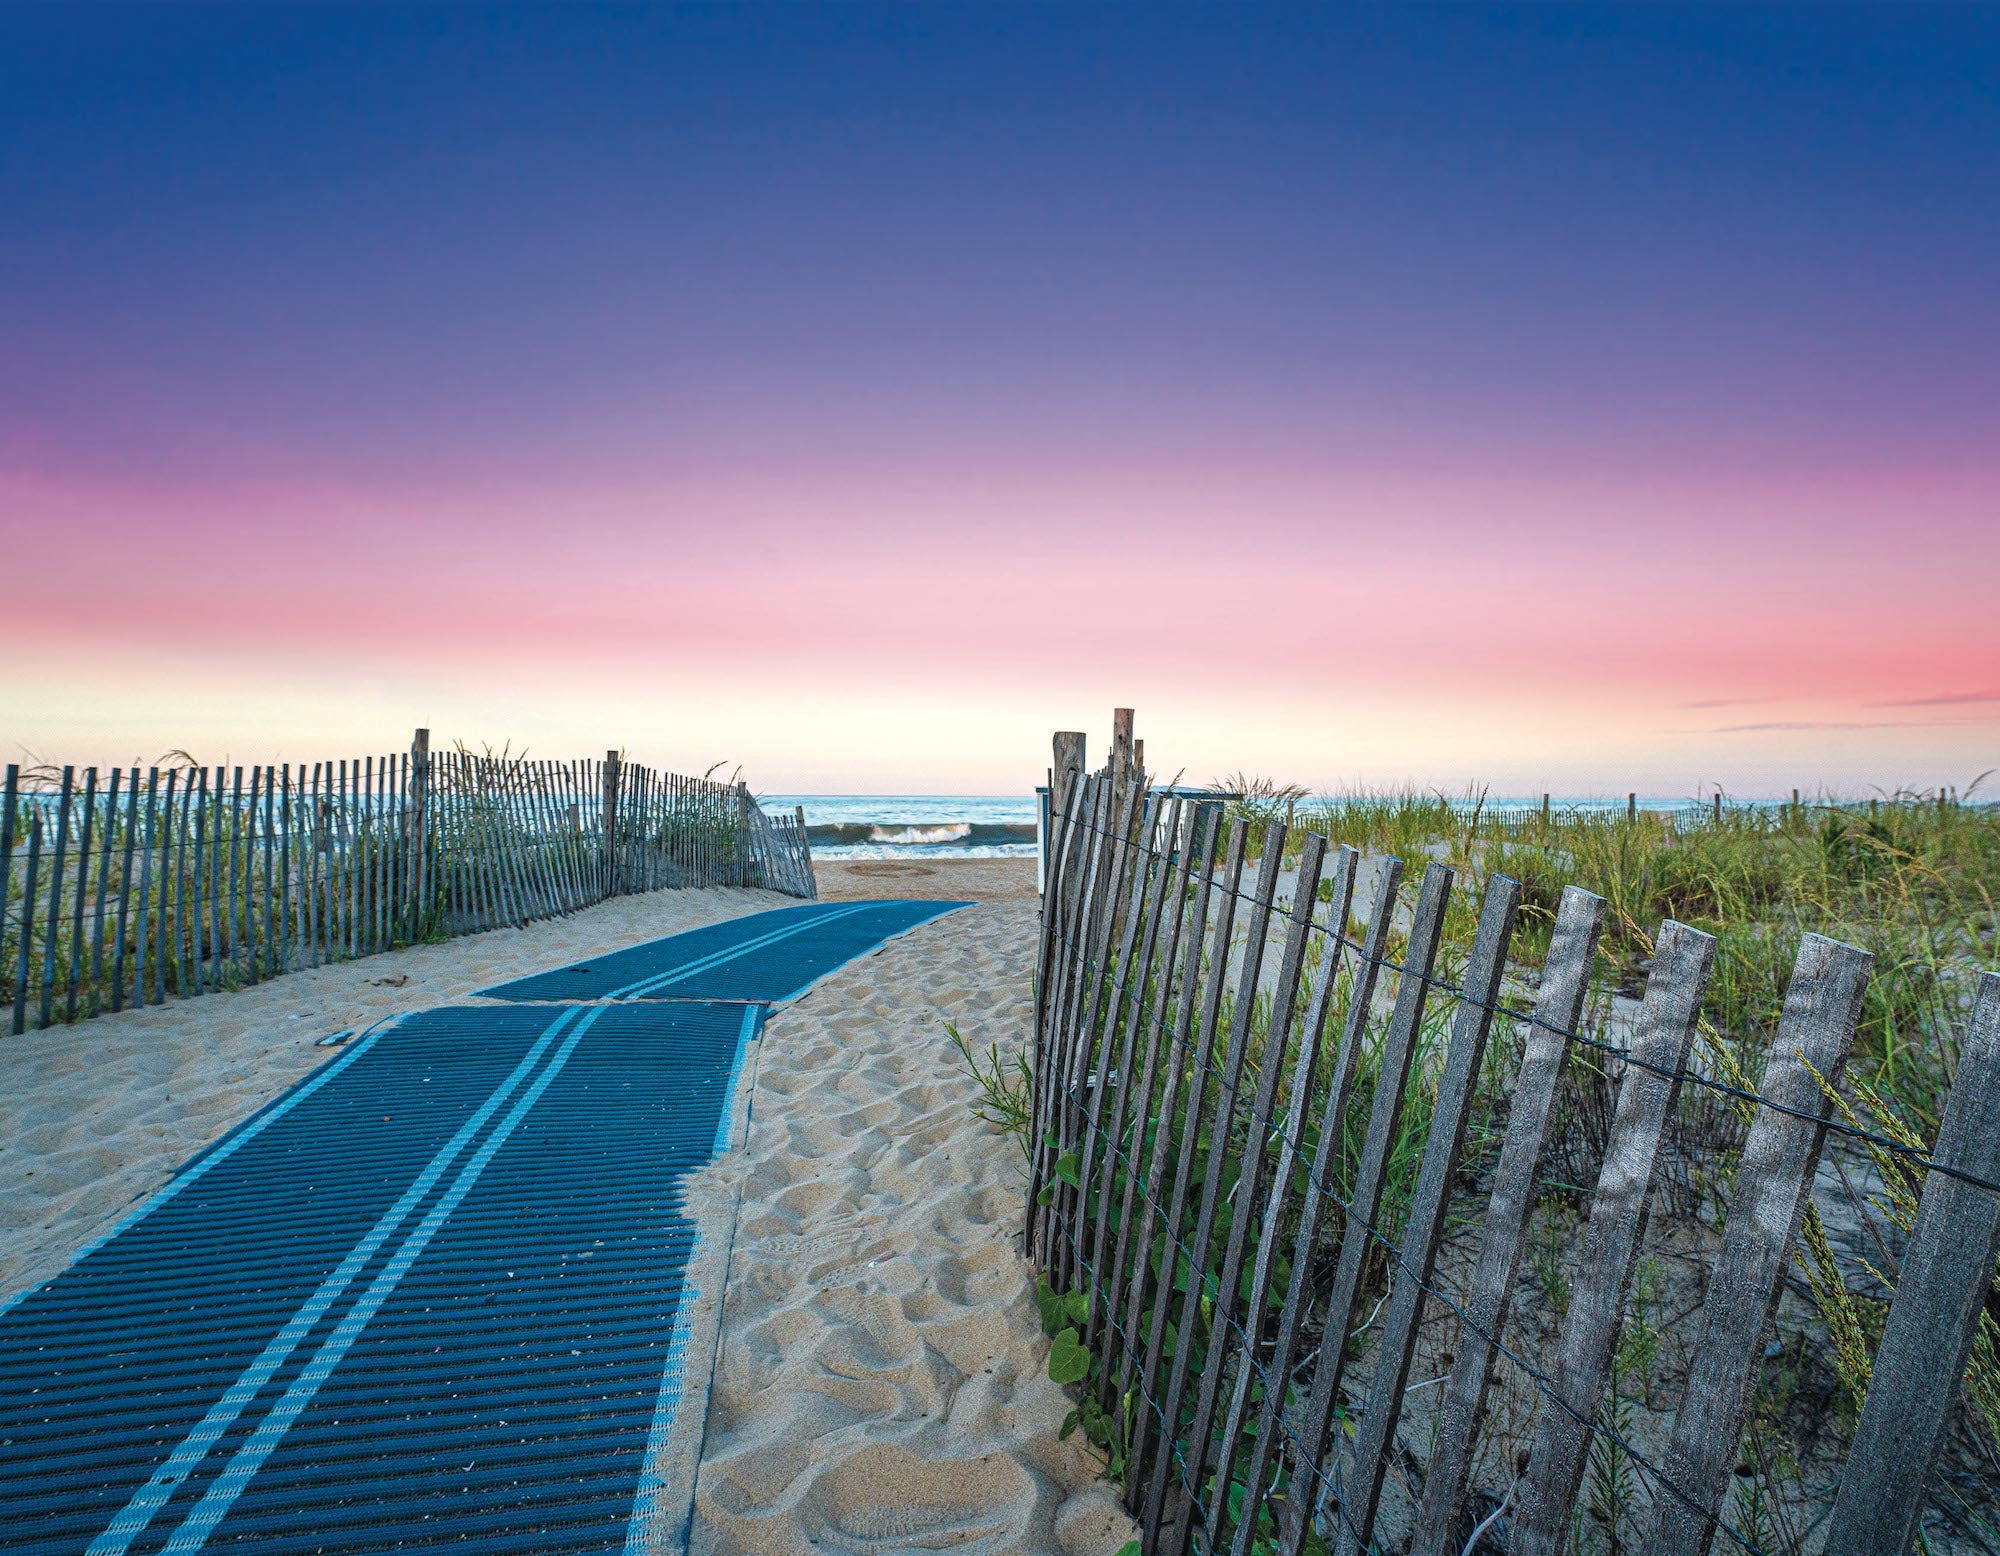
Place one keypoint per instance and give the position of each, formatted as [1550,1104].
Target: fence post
[417,822]
[609,869]
[1718,807]
[10,798]
[1947,1272]
[1545,810]
[1631,807]
[1068,759]
[743,807]
[1121,749]
[1069,747]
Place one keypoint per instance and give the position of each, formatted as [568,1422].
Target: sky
[1571,399]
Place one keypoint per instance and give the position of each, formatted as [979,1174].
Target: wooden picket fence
[1201,1023]
[129,886]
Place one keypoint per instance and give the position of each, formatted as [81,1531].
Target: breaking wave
[917,836]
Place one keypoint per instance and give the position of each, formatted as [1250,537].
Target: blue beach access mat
[764,957]
[433,1295]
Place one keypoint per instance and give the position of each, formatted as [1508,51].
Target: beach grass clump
[1005,1086]
[1914,881]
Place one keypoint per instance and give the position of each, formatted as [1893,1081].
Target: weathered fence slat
[103,899]
[1158,960]
[54,917]
[1359,1230]
[1283,997]
[1428,1203]
[1091,1057]
[1531,1104]
[1610,1239]
[288,825]
[145,936]
[1200,1057]
[1190,927]
[83,854]
[10,809]
[1061,917]
[1937,1310]
[194,856]
[1221,1128]
[173,872]
[1264,1269]
[1115,1076]
[1773,1182]
[1096,841]
[28,882]
[1049,962]
[1318,1199]
[1104,1074]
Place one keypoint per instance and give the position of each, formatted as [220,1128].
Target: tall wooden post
[743,834]
[1718,807]
[1122,762]
[416,822]
[1631,807]
[1545,810]
[1069,749]
[610,868]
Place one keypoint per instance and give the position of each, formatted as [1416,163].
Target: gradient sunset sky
[1564,399]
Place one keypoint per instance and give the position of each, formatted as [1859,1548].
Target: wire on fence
[1199,1268]
[1920,1159]
[1105,875]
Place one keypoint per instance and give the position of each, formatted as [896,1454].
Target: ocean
[907,826]
[1002,826]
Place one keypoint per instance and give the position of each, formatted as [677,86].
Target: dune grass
[1911,880]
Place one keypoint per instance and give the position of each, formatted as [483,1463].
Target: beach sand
[881,1377]
[981,880]
[882,1380]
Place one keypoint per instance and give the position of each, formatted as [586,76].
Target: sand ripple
[882,1382]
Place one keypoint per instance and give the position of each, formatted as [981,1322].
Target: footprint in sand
[881,1382]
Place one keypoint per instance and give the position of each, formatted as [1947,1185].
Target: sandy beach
[882,1378]
[879,1374]
[980,880]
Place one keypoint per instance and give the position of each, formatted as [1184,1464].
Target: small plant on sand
[1005,1089]
[1071,1363]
